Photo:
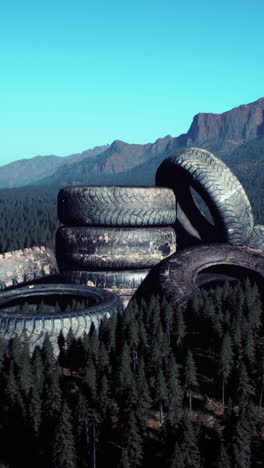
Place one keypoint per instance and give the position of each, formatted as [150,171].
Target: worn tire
[219,188]
[33,327]
[116,206]
[21,266]
[114,248]
[256,240]
[116,279]
[179,274]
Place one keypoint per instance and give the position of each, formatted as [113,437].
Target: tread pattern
[220,189]
[21,266]
[256,240]
[111,248]
[116,206]
[178,274]
[114,280]
[33,327]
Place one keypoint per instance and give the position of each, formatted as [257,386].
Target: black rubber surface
[116,279]
[116,206]
[21,266]
[33,326]
[179,273]
[256,240]
[219,188]
[114,248]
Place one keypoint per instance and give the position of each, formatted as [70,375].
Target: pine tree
[175,393]
[160,393]
[190,377]
[35,408]
[64,451]
[2,352]
[11,387]
[25,375]
[189,446]
[89,382]
[223,459]
[226,361]
[81,432]
[47,354]
[244,389]
[16,350]
[132,444]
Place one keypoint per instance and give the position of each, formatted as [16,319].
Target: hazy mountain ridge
[236,136]
[27,171]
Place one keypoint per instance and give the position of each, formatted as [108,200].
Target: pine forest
[152,387]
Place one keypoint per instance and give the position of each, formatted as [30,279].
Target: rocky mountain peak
[240,124]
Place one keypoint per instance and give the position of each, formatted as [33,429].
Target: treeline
[28,215]
[155,386]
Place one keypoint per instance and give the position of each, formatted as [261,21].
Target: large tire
[32,327]
[114,248]
[183,273]
[116,206]
[220,190]
[21,266]
[256,240]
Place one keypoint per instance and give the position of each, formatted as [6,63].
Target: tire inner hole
[201,205]
[51,304]
[216,275]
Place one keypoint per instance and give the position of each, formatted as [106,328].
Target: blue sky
[78,74]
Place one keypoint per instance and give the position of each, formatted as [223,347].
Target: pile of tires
[113,235]
[216,236]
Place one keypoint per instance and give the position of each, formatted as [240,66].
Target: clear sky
[76,74]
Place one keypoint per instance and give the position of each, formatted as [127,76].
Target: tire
[123,279]
[114,248]
[183,273]
[21,266]
[256,240]
[32,327]
[230,209]
[116,206]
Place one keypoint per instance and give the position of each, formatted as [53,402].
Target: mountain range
[236,136]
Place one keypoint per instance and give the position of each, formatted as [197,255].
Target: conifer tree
[226,361]
[35,408]
[64,451]
[190,446]
[89,382]
[47,354]
[16,350]
[175,393]
[132,444]
[25,372]
[160,393]
[190,377]
[2,352]
[11,387]
[81,432]
[244,390]
[223,459]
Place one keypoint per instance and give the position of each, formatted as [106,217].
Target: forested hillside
[28,215]
[153,387]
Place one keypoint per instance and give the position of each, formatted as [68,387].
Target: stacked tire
[216,236]
[112,236]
